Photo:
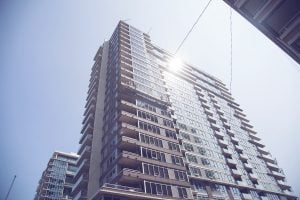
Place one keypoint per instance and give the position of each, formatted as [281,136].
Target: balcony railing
[121,187]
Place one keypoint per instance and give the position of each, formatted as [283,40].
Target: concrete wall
[94,172]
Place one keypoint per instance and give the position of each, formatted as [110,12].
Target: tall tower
[155,128]
[57,179]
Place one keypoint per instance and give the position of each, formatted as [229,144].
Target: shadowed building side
[279,20]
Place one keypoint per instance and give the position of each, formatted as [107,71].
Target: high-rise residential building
[158,128]
[279,20]
[57,179]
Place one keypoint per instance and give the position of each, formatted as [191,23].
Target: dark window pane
[153,187]
[148,188]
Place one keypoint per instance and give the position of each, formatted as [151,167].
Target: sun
[175,64]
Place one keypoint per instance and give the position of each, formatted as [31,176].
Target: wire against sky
[191,29]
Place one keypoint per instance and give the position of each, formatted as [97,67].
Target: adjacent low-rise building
[57,180]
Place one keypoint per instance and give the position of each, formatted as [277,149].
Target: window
[188,147]
[177,160]
[186,136]
[235,191]
[195,171]
[210,174]
[171,134]
[165,113]
[202,151]
[180,175]
[154,170]
[205,161]
[173,146]
[182,126]
[155,155]
[149,127]
[147,106]
[168,123]
[147,116]
[193,130]
[197,140]
[182,192]
[151,140]
[158,189]
[192,158]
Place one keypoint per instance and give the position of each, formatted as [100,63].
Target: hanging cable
[230,27]
[191,29]
[231,58]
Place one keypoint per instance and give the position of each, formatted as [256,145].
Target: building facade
[57,179]
[279,20]
[153,132]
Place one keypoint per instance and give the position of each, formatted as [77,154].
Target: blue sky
[46,54]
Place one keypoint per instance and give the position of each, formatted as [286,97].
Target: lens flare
[175,64]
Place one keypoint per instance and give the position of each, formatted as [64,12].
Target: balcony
[87,141]
[215,127]
[242,183]
[126,193]
[89,118]
[248,166]
[81,195]
[244,157]
[128,117]
[248,129]
[257,143]
[254,137]
[199,192]
[128,143]
[208,112]
[262,150]
[80,183]
[272,166]
[133,132]
[269,158]
[131,160]
[90,109]
[223,143]
[246,196]
[235,140]
[227,152]
[203,99]
[253,176]
[84,166]
[218,195]
[134,176]
[283,185]
[87,129]
[86,152]
[219,135]
[223,118]
[205,105]
[211,119]
[288,192]
[260,187]
[236,173]
[264,198]
[221,112]
[231,162]
[226,125]
[230,132]
[277,175]
[239,149]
